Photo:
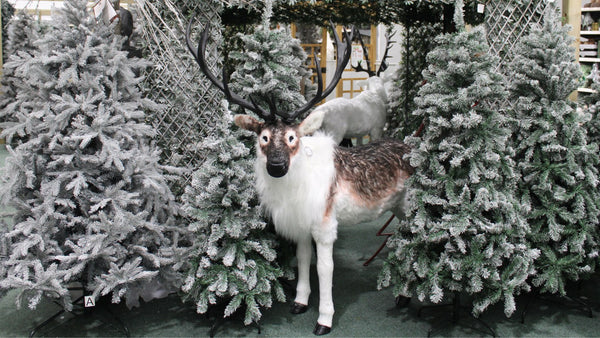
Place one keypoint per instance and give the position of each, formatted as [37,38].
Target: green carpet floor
[361,309]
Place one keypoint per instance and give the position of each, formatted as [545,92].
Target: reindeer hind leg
[325,273]
[375,134]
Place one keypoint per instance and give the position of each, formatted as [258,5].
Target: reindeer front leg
[303,255]
[325,273]
[324,236]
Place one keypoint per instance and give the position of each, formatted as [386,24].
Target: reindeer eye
[265,138]
[291,138]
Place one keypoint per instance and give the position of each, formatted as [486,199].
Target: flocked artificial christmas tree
[463,230]
[271,67]
[234,265]
[92,205]
[559,185]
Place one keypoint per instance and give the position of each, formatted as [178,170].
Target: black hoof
[321,330]
[298,308]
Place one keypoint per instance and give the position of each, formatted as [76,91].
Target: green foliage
[417,41]
[559,185]
[349,12]
[463,229]
[235,259]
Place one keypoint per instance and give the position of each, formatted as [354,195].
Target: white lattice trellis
[507,21]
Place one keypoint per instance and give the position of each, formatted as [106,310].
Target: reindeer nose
[277,168]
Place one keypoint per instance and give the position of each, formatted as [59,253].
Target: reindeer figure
[308,185]
[364,114]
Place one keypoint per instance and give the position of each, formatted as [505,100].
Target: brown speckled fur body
[373,169]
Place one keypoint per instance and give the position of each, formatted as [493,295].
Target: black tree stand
[219,321]
[456,319]
[79,309]
[576,302]
[215,317]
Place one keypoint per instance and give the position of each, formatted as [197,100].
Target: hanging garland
[350,12]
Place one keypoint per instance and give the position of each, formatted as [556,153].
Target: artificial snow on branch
[464,230]
[559,166]
[92,206]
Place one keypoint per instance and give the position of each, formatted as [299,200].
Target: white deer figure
[308,185]
[365,114]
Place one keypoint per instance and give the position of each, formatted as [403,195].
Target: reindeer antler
[359,67]
[343,55]
[383,66]
[199,55]
[388,45]
[343,52]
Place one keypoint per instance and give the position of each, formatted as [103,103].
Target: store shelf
[590,9]
[589,32]
[586,90]
[585,59]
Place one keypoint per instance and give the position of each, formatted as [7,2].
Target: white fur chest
[297,201]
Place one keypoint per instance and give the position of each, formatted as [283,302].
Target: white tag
[480,8]
[88,301]
[308,151]
[357,55]
[105,9]
[99,7]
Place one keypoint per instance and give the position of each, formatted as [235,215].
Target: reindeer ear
[248,122]
[312,122]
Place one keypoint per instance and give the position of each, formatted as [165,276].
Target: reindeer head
[278,142]
[278,136]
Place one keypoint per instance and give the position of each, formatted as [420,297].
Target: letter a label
[89,301]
